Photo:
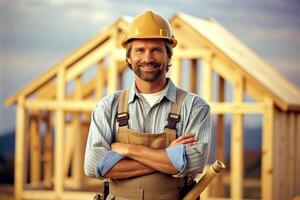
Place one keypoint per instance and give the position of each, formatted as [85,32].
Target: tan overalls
[155,186]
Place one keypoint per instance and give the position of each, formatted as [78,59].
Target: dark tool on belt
[105,190]
[103,196]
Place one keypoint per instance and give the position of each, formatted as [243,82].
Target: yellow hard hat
[149,25]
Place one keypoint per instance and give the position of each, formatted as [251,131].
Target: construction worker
[148,139]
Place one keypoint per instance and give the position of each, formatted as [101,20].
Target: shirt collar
[170,92]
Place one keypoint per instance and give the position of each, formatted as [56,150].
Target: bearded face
[149,59]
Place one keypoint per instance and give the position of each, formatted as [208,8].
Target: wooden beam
[113,65]
[267,151]
[50,195]
[48,152]
[191,53]
[59,137]
[100,80]
[69,146]
[19,152]
[291,156]
[224,69]
[35,151]
[297,152]
[119,54]
[237,145]
[47,91]
[193,76]
[220,147]
[237,108]
[207,82]
[66,105]
[78,157]
[176,72]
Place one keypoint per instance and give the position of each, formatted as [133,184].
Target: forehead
[136,43]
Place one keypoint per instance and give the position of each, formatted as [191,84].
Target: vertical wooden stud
[237,145]
[35,150]
[220,147]
[59,136]
[193,76]
[175,72]
[19,153]
[267,151]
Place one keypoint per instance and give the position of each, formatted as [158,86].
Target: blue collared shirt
[195,118]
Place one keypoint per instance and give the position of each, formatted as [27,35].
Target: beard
[149,76]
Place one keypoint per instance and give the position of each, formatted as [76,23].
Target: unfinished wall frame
[56,154]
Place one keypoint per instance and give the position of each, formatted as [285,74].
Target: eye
[158,50]
[139,50]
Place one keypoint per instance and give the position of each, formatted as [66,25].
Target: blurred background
[36,34]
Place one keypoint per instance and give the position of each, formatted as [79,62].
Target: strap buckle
[173,119]
[122,118]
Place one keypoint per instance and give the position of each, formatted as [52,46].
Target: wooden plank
[267,151]
[238,108]
[59,137]
[50,195]
[220,147]
[191,53]
[113,65]
[297,153]
[119,54]
[35,151]
[113,76]
[37,194]
[100,80]
[291,154]
[47,91]
[193,76]
[78,157]
[66,105]
[176,72]
[19,149]
[69,146]
[278,168]
[237,145]
[48,152]
[207,82]
[283,186]
[254,92]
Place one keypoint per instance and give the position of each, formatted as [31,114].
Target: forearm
[128,168]
[155,158]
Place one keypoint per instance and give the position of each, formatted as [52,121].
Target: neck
[150,87]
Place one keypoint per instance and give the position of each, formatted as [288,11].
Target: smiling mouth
[149,66]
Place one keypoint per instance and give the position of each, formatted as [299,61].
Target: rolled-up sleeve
[196,155]
[99,137]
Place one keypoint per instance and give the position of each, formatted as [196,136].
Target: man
[148,138]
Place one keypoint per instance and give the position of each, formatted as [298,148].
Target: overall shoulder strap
[174,115]
[123,116]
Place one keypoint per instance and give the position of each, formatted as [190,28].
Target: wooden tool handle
[205,180]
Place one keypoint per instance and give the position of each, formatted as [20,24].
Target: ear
[169,59]
[128,60]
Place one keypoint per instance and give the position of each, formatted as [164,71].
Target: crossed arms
[142,160]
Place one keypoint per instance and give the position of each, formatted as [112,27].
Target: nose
[148,57]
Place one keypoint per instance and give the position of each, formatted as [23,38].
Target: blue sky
[36,34]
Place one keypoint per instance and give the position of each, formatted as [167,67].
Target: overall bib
[155,186]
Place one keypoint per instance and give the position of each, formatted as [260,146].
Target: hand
[188,139]
[120,148]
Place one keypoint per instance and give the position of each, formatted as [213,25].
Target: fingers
[185,139]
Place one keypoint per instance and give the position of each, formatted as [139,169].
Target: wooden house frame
[53,111]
